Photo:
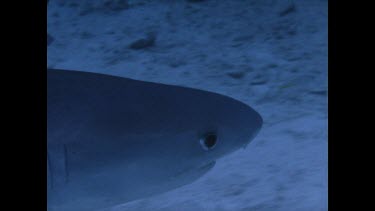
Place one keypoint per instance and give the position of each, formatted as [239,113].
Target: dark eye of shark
[208,141]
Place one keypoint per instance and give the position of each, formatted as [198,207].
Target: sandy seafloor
[270,54]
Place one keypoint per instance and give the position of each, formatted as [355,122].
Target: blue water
[269,54]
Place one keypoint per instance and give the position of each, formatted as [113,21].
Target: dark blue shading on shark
[113,140]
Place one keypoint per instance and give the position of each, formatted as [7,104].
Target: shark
[111,140]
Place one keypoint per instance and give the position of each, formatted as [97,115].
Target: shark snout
[255,124]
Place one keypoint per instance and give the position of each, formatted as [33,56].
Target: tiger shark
[111,140]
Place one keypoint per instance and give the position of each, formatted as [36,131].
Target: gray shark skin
[111,140]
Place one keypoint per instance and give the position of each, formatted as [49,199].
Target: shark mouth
[196,172]
[208,166]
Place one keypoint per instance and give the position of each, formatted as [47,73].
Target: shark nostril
[208,141]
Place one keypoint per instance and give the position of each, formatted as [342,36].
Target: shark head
[113,140]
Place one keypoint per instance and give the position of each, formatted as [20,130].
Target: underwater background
[269,54]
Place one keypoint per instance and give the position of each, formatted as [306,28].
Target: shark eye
[208,141]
